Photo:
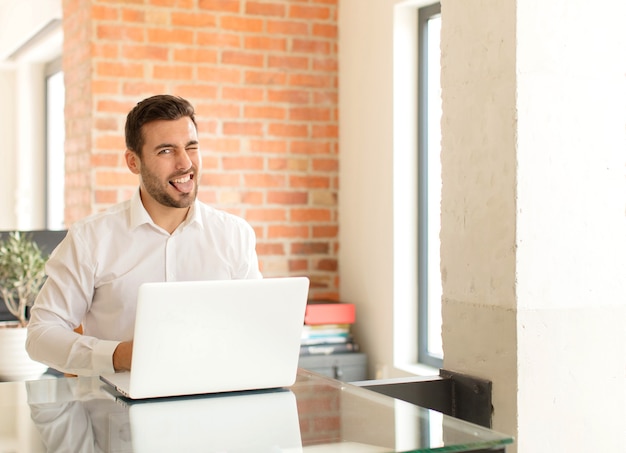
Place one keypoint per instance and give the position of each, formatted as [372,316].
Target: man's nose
[183,161]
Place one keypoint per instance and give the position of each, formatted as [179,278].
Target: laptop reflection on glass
[214,336]
[242,422]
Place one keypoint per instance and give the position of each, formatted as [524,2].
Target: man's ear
[132,161]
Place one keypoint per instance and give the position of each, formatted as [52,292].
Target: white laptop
[214,336]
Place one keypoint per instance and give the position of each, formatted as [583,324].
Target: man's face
[170,163]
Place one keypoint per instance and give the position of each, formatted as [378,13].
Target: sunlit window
[55,155]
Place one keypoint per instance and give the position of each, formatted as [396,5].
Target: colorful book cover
[325,333]
[321,312]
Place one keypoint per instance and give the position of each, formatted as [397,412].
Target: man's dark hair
[159,107]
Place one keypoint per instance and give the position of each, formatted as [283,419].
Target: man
[161,234]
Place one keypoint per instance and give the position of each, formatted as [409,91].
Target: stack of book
[327,328]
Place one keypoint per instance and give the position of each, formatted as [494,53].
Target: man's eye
[165,151]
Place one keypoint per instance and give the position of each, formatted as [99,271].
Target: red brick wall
[263,78]
[319,414]
[78,111]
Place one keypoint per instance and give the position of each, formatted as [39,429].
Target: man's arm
[61,306]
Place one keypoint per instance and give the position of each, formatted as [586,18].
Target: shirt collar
[193,216]
[139,215]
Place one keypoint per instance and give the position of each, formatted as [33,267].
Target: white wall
[8,132]
[23,54]
[571,259]
[366,171]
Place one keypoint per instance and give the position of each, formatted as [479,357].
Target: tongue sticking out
[184,185]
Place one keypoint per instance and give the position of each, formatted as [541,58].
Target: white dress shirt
[95,273]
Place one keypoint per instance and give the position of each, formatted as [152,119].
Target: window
[430,348]
[55,154]
[37,126]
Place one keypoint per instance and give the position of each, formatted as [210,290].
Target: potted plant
[22,273]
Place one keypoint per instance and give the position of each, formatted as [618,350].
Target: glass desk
[316,414]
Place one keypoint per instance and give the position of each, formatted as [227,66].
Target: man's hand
[123,356]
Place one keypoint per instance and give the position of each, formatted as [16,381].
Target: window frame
[51,68]
[424,355]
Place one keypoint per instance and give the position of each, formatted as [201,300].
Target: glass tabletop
[316,414]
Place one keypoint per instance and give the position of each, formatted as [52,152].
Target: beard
[159,190]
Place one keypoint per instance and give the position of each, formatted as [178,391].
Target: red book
[329,313]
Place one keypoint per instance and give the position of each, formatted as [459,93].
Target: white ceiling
[30,29]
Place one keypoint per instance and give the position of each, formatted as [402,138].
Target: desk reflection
[72,416]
